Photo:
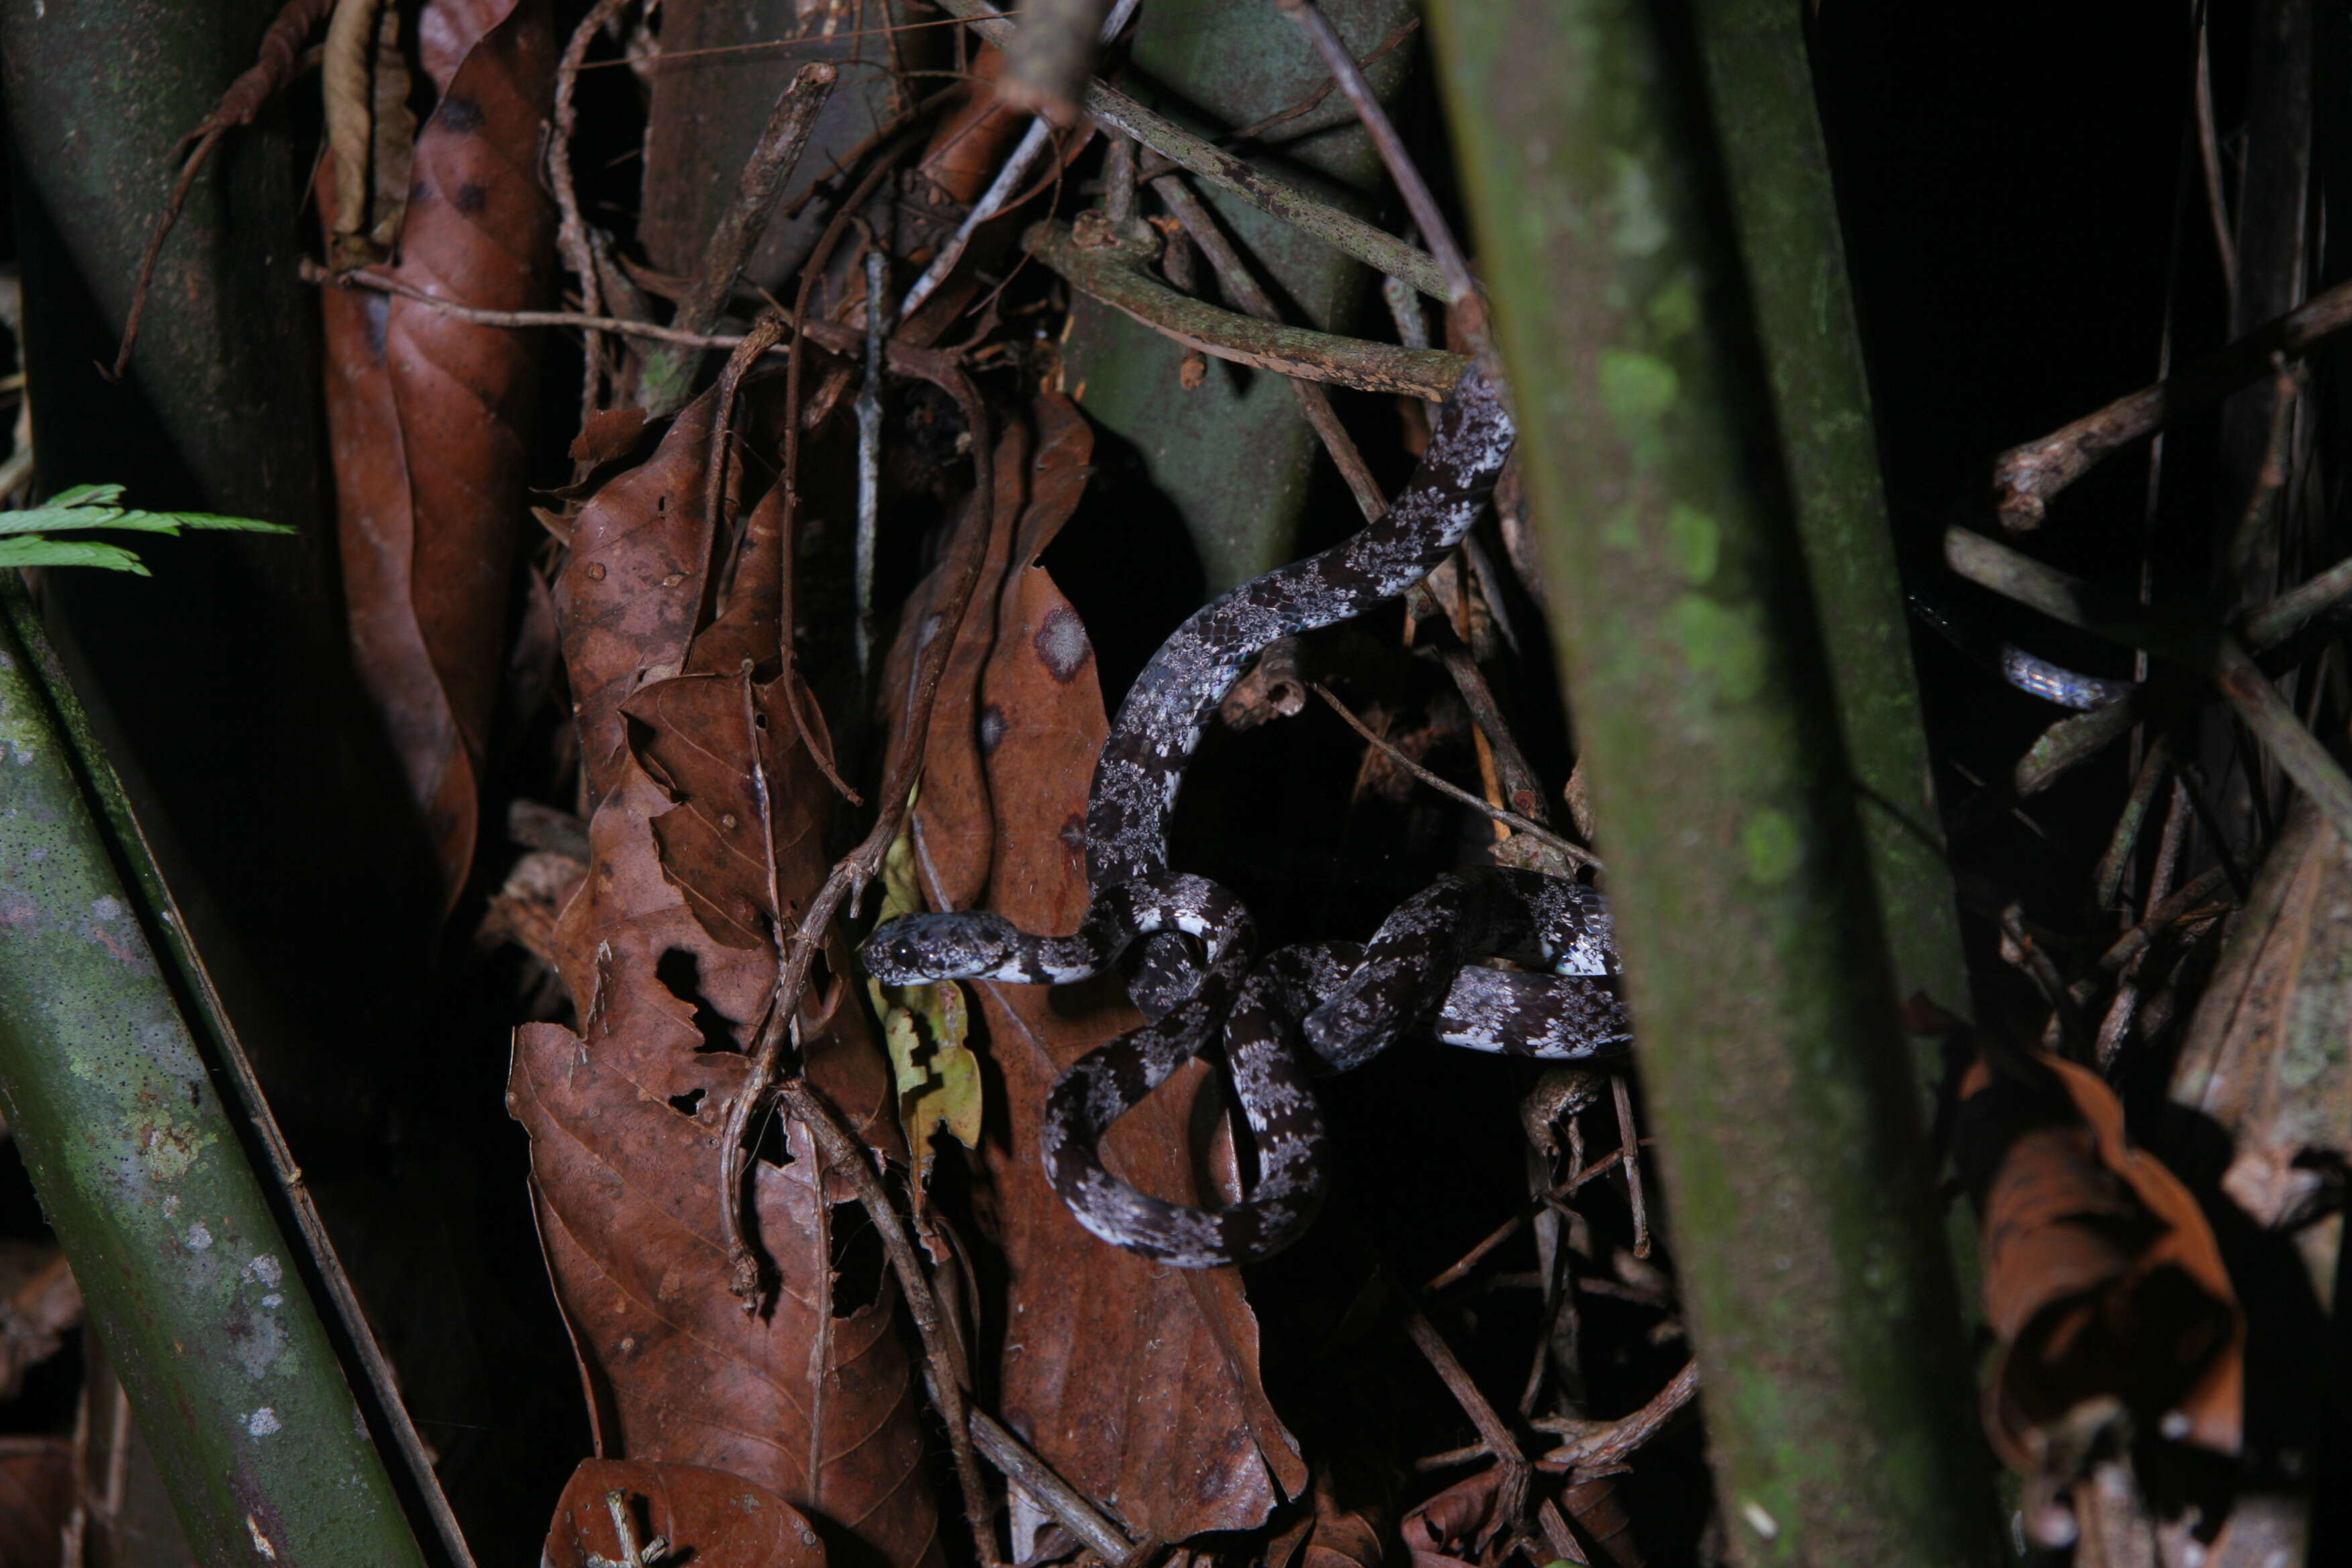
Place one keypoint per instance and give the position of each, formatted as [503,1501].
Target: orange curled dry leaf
[707,1518]
[2102,1278]
[428,415]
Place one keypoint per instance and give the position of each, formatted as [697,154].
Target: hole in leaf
[681,972]
[858,1260]
[686,1104]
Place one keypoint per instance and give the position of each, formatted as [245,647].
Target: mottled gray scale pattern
[1419,975]
[1143,759]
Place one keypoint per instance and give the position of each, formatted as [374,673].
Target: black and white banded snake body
[1419,972]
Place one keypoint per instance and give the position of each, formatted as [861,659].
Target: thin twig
[999,196]
[2253,550]
[2201,650]
[1235,277]
[1435,231]
[2019,949]
[2296,751]
[869,460]
[1521,788]
[1610,1441]
[2026,478]
[943,1368]
[765,174]
[2209,148]
[1115,111]
[1510,820]
[906,359]
[670,376]
[765,333]
[1510,1227]
[860,866]
[2154,770]
[1491,1427]
[1630,1140]
[277,60]
[2286,615]
[571,229]
[2191,895]
[1057,1497]
[1113,276]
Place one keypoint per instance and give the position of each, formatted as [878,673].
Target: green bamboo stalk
[1761,87]
[189,1282]
[1822,1302]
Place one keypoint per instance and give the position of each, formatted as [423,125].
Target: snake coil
[1419,972]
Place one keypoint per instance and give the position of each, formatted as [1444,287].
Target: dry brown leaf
[1455,1526]
[815,1398]
[43,1304]
[427,415]
[36,1499]
[707,1518]
[2102,1279]
[2269,1054]
[1095,1337]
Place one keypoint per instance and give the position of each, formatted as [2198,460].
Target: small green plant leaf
[34,551]
[24,541]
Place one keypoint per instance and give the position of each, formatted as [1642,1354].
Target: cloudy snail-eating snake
[1419,973]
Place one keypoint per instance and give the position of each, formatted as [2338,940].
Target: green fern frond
[24,540]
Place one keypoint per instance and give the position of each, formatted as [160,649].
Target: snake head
[915,949]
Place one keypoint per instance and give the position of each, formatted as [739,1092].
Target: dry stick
[1510,820]
[1630,1140]
[1241,288]
[1115,111]
[869,461]
[2213,654]
[2209,147]
[1057,1497]
[1520,786]
[2154,769]
[2284,615]
[2019,949]
[1113,276]
[999,196]
[1155,164]
[2117,1022]
[2248,556]
[2190,895]
[857,868]
[1510,1227]
[2296,751]
[278,58]
[2025,478]
[669,376]
[904,358]
[570,230]
[1610,1441]
[943,1368]
[1492,1431]
[765,333]
[2079,736]
[772,160]
[1435,232]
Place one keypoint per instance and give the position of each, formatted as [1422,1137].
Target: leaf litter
[699,638]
